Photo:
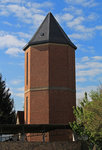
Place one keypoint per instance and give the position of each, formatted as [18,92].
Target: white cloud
[37,18]
[83,29]
[94,64]
[88,68]
[64,17]
[91,72]
[29,4]
[88,49]
[89,64]
[97,58]
[20,89]
[75,22]
[92,16]
[40,5]
[85,3]
[16,82]
[83,33]
[3,11]
[81,36]
[13,51]
[80,66]
[74,10]
[11,1]
[2,33]
[21,12]
[23,35]
[17,92]
[19,95]
[81,79]
[7,23]
[86,58]
[21,64]
[67,17]
[98,27]
[11,43]
[8,41]
[76,36]
[26,12]
[86,88]
[79,22]
[81,90]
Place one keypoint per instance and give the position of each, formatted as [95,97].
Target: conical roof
[49,32]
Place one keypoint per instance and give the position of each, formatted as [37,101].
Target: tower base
[56,135]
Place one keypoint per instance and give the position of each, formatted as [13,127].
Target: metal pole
[43,134]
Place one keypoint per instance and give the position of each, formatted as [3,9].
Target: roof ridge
[64,34]
[49,25]
[50,31]
[38,28]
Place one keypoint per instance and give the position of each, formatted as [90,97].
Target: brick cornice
[50,44]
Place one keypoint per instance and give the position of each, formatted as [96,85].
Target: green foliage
[89,119]
[78,125]
[96,95]
[93,116]
[7,112]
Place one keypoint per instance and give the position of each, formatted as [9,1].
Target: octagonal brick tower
[50,91]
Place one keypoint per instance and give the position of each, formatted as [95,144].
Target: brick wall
[51,84]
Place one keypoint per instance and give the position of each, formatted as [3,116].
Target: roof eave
[25,47]
[44,42]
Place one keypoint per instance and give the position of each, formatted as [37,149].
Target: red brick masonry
[51,85]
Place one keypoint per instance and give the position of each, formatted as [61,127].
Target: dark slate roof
[50,32]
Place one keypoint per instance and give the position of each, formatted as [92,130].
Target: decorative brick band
[49,88]
[44,44]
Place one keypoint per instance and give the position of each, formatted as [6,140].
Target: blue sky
[80,19]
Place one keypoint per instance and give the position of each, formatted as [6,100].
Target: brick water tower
[50,91]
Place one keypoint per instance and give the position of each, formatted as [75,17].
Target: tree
[88,124]
[78,125]
[93,117]
[7,112]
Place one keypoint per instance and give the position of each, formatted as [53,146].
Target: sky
[80,19]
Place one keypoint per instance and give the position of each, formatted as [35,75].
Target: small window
[41,34]
[27,69]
